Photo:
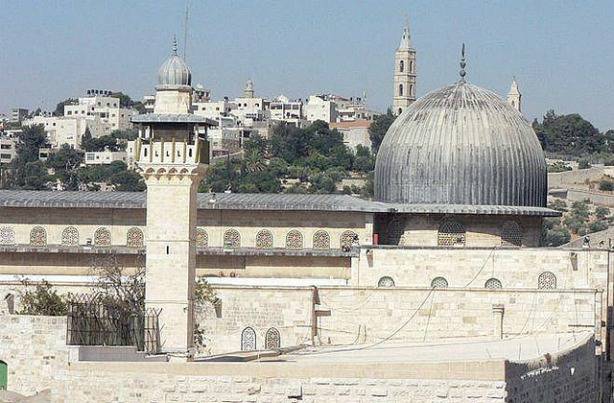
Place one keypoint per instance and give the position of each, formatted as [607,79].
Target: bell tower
[172,154]
[404,74]
[514,97]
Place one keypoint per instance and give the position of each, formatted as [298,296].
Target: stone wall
[564,179]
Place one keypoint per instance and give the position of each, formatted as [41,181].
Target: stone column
[497,315]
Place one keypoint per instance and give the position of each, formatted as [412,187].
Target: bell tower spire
[404,73]
[514,97]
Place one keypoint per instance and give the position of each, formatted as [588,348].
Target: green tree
[602,212]
[42,300]
[557,236]
[606,185]
[378,129]
[27,172]
[569,134]
[598,225]
[558,205]
[65,163]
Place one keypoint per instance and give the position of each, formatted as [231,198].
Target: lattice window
[38,236]
[232,239]
[348,238]
[294,240]
[272,340]
[511,234]
[7,236]
[202,238]
[248,339]
[493,283]
[321,240]
[546,281]
[385,282]
[102,237]
[439,282]
[135,238]
[264,239]
[451,233]
[70,236]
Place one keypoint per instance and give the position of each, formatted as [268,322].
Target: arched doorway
[4,374]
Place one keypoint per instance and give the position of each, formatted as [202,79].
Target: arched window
[70,236]
[10,303]
[400,110]
[264,239]
[7,236]
[411,90]
[248,339]
[272,340]
[451,233]
[492,283]
[134,238]
[546,281]
[321,240]
[439,282]
[411,66]
[102,237]
[294,240]
[202,238]
[401,66]
[38,236]
[348,238]
[511,234]
[232,239]
[385,282]
[400,89]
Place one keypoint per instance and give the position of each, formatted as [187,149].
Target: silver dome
[174,71]
[461,145]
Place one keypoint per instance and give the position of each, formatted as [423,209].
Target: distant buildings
[8,146]
[18,114]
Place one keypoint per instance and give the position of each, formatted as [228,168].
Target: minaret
[248,91]
[172,154]
[514,97]
[404,74]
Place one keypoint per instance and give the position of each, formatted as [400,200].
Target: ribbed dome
[174,71]
[461,145]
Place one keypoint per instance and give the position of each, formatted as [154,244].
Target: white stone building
[105,157]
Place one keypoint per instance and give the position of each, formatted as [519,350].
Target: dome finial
[174,45]
[462,71]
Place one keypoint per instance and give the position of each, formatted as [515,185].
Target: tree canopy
[378,129]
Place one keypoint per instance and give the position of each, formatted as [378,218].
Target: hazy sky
[562,52]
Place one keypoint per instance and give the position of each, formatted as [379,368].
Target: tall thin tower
[404,74]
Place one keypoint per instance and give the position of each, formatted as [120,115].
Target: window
[493,283]
[264,239]
[248,339]
[294,240]
[7,236]
[439,282]
[102,237]
[70,236]
[400,111]
[546,281]
[321,240]
[400,89]
[38,236]
[401,66]
[451,233]
[511,234]
[385,282]
[134,238]
[202,238]
[232,239]
[272,341]
[411,66]
[348,238]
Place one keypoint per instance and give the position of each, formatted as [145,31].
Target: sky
[561,52]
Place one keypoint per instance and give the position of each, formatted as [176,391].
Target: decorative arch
[411,66]
[135,238]
[348,238]
[546,281]
[232,238]
[102,237]
[400,89]
[321,240]
[451,233]
[248,339]
[38,236]
[439,282]
[264,239]
[400,111]
[511,234]
[7,236]
[493,283]
[70,236]
[401,66]
[202,238]
[294,239]
[272,339]
[386,281]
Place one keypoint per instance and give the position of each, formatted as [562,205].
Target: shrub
[606,185]
[43,300]
[584,164]
[596,226]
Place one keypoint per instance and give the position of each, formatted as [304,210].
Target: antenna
[185,28]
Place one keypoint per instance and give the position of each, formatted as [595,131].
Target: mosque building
[453,234]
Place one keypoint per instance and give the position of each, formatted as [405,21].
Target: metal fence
[95,322]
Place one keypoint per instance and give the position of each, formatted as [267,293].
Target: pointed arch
[102,237]
[272,339]
[70,236]
[294,239]
[264,239]
[38,236]
[135,238]
[321,240]
[248,339]
[400,90]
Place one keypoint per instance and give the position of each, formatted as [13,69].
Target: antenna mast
[185,28]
